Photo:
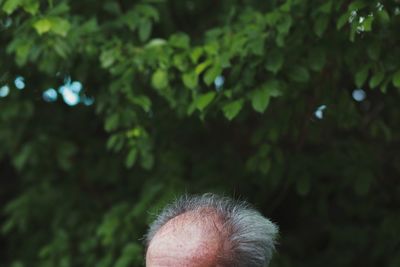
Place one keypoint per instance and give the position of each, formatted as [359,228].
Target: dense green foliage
[249,98]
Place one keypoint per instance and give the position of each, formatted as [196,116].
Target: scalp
[188,239]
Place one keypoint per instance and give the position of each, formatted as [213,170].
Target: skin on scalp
[192,239]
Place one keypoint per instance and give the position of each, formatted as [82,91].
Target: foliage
[197,96]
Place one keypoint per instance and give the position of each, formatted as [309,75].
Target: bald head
[210,231]
[191,239]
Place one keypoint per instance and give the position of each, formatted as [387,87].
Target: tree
[109,109]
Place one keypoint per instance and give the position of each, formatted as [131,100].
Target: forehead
[186,240]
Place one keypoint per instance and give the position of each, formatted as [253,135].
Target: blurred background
[110,109]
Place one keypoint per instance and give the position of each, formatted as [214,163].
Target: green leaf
[384,16]
[299,74]
[107,58]
[196,54]
[145,30]
[31,6]
[156,42]
[22,52]
[11,5]
[396,79]
[260,99]
[212,48]
[343,20]
[113,141]
[376,79]
[61,48]
[326,8]
[361,76]
[141,100]
[130,255]
[354,28]
[111,122]
[23,156]
[60,26]
[232,109]
[384,85]
[180,62]
[320,25]
[180,40]
[42,26]
[61,9]
[227,93]
[147,161]
[274,88]
[257,46]
[159,80]
[202,66]
[286,7]
[190,79]
[204,100]
[356,5]
[274,61]
[285,24]
[374,50]
[149,11]
[272,17]
[212,73]
[5,229]
[106,230]
[135,133]
[131,157]
[367,23]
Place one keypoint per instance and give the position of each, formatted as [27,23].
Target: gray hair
[250,236]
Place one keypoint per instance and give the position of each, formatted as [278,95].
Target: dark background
[291,105]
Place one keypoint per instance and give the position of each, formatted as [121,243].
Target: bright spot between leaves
[70,92]
[379,6]
[219,82]
[50,95]
[70,97]
[4,91]
[319,113]
[352,16]
[76,87]
[19,82]
[359,95]
[88,101]
[67,80]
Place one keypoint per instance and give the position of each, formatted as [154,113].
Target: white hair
[250,237]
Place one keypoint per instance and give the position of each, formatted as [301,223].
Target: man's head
[210,231]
